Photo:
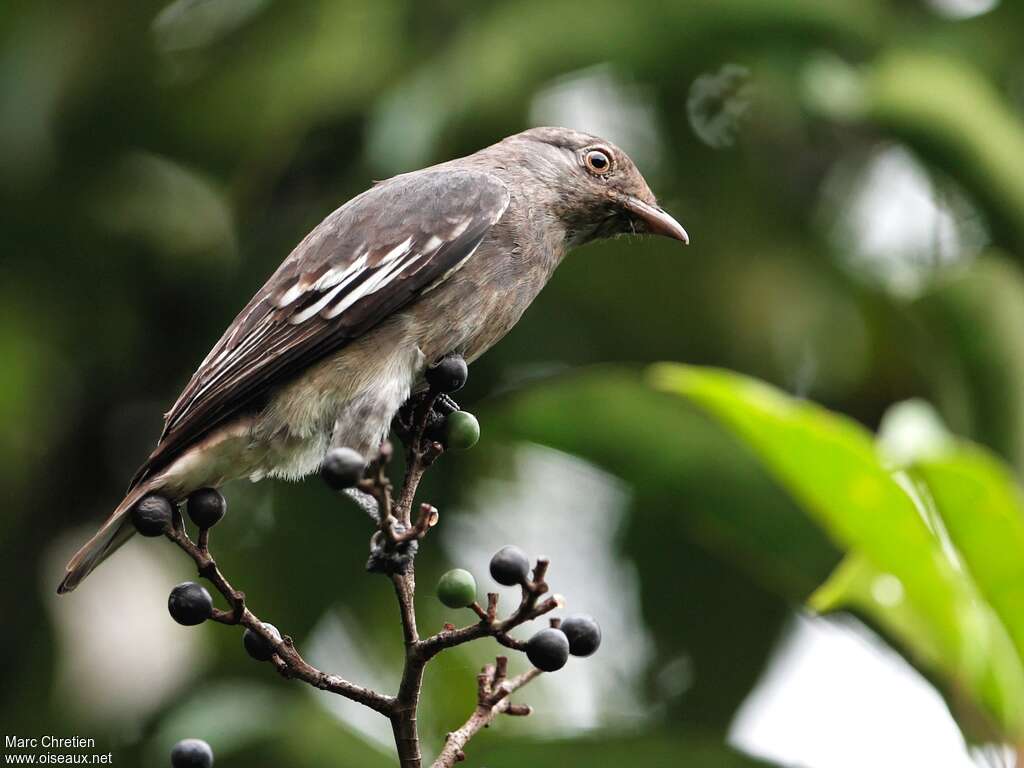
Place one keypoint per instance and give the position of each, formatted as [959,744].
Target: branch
[493,699]
[287,660]
[393,548]
[488,626]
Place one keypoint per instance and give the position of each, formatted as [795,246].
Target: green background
[852,177]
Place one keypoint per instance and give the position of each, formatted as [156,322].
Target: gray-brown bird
[431,263]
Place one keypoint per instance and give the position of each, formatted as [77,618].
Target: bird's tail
[115,531]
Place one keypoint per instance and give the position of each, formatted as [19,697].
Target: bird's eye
[597,161]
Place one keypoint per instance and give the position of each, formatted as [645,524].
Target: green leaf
[829,464]
[981,506]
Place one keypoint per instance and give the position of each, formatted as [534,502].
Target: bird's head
[596,190]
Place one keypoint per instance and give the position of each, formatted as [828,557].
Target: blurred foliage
[159,159]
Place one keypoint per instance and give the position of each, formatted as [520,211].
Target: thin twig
[394,545]
[493,698]
[288,660]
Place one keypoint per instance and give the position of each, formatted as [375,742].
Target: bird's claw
[406,422]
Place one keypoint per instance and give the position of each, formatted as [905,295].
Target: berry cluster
[155,515]
[549,649]
[428,424]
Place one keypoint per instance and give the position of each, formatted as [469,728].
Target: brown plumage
[438,261]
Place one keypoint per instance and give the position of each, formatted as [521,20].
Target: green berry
[457,588]
[462,431]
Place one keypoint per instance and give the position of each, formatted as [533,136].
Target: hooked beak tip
[655,220]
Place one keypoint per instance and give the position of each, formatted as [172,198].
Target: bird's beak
[655,220]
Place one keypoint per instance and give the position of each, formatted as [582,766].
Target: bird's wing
[365,261]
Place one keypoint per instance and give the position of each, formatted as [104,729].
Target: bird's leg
[425,413]
[406,422]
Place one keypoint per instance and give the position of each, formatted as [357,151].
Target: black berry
[548,650]
[584,634]
[447,376]
[152,515]
[191,753]
[342,468]
[206,507]
[256,646]
[510,566]
[190,604]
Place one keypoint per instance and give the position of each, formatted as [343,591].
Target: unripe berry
[153,514]
[584,634]
[548,650]
[448,376]
[191,753]
[462,431]
[206,507]
[256,646]
[342,468]
[510,566]
[190,604]
[457,588]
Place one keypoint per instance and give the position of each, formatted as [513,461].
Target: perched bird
[427,264]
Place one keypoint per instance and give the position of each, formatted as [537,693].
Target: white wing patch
[372,284]
[344,276]
[398,262]
[399,250]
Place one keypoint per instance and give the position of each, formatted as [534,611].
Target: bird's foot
[411,417]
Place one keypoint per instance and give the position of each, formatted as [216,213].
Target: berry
[449,375]
[342,468]
[206,507]
[584,634]
[152,515]
[192,753]
[457,588]
[510,566]
[190,604]
[256,646]
[548,650]
[462,431]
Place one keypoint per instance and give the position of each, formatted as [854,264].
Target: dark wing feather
[364,262]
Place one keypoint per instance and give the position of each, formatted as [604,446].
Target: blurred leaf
[187,24]
[857,585]
[609,416]
[946,106]
[706,520]
[830,465]
[972,348]
[983,511]
[172,209]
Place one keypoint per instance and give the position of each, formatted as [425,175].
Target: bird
[427,264]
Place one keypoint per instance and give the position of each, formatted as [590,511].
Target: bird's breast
[478,305]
